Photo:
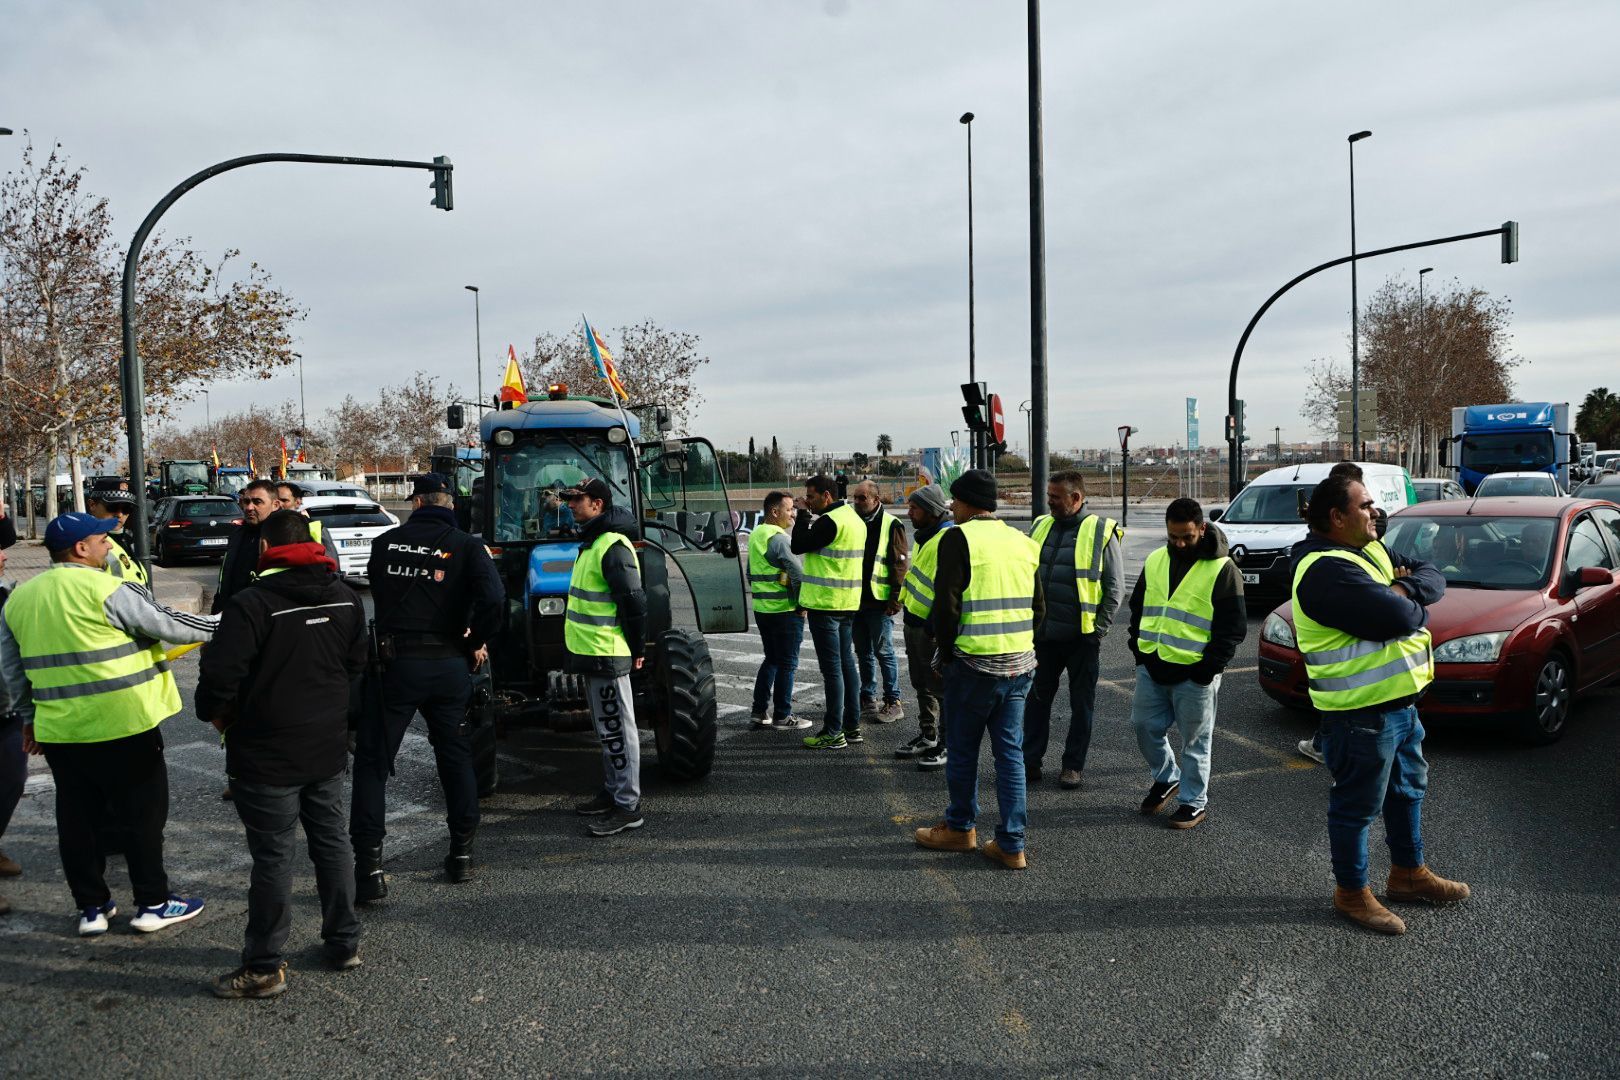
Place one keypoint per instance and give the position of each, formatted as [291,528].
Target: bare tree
[656,365]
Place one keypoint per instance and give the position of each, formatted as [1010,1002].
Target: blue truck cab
[1532,436]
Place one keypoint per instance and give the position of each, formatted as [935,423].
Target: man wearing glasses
[241,562]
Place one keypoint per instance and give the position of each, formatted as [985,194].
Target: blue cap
[65,530]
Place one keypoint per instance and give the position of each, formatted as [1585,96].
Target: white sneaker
[176,909]
[891,712]
[1308,748]
[791,723]
[93,920]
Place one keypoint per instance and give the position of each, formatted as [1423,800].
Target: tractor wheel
[685,724]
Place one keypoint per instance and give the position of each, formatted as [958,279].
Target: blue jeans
[1189,708]
[780,633]
[833,633]
[974,704]
[874,647]
[1377,764]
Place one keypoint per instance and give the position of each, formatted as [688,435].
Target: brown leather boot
[1360,905]
[1012,860]
[942,837]
[1412,883]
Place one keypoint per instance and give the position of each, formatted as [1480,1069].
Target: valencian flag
[513,392]
[604,359]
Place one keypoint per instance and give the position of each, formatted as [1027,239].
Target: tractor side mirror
[674,455]
[726,545]
[454,418]
[662,418]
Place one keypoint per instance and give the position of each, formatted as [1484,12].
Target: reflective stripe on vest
[90,681]
[591,623]
[998,606]
[1176,625]
[1090,548]
[832,576]
[1344,672]
[917,590]
[882,583]
[766,583]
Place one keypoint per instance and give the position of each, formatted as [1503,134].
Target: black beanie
[976,487]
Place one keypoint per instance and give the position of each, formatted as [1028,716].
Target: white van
[1263,523]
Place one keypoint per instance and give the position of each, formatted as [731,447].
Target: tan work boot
[942,837]
[1069,779]
[1360,905]
[1012,861]
[1409,883]
[9,867]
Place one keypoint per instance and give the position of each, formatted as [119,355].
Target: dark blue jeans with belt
[1377,763]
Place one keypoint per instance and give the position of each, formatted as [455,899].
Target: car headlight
[1473,649]
[1277,631]
[553,605]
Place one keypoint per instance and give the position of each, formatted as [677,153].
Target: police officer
[605,630]
[438,601]
[121,562]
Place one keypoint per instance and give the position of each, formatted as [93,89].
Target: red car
[1531,615]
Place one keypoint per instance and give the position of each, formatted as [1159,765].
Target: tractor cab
[682,521]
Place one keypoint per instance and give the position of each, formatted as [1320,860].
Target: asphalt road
[777,920]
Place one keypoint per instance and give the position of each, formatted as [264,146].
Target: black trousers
[1080,658]
[271,814]
[439,689]
[129,779]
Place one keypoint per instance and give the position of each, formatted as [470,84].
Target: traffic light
[1510,241]
[976,411]
[455,418]
[443,198]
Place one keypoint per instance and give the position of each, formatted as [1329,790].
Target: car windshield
[1508,451]
[531,477]
[208,508]
[1497,486]
[1267,504]
[1478,551]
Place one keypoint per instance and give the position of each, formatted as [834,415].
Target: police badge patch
[438,575]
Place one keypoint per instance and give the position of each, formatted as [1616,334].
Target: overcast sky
[787,179]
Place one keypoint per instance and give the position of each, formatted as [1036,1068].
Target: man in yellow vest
[1187,620]
[987,603]
[774,579]
[118,504]
[605,630]
[1360,622]
[80,655]
[1080,578]
[930,516]
[887,556]
[832,539]
[290,496]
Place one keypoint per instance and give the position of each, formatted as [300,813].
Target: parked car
[318,488]
[1437,489]
[1603,486]
[1530,618]
[1265,521]
[353,524]
[191,527]
[1518,485]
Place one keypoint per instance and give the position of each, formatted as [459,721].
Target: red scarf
[288,555]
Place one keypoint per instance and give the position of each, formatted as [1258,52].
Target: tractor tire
[686,722]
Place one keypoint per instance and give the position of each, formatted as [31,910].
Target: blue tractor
[688,549]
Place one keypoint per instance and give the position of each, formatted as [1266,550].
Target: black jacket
[236,570]
[623,576]
[279,671]
[1230,624]
[431,584]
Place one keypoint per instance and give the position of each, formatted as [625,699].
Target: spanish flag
[216,459]
[604,359]
[513,392]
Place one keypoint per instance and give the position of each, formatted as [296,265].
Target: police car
[352,524]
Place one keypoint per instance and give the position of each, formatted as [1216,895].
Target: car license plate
[1251,579]
[357,543]
[214,541]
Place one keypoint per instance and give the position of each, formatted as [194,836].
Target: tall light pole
[966,120]
[303,416]
[478,343]
[208,416]
[1423,357]
[1029,426]
[1037,262]
[1355,342]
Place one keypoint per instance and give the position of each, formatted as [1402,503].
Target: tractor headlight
[1277,631]
[552,605]
[503,437]
[1473,649]
[617,435]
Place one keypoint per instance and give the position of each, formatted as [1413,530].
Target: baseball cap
[594,488]
[68,529]
[430,484]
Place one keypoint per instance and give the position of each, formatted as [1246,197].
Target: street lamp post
[1423,356]
[1037,260]
[966,120]
[1125,433]
[1029,428]
[1355,343]
[478,344]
